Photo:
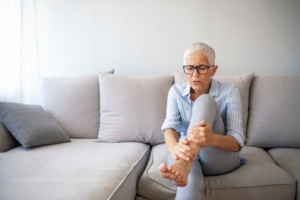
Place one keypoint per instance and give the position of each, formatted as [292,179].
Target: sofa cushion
[81,169]
[259,178]
[31,125]
[140,198]
[242,82]
[7,140]
[133,108]
[73,101]
[274,111]
[289,160]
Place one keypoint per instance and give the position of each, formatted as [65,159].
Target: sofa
[116,144]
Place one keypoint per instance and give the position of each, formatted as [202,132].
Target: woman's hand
[201,135]
[182,150]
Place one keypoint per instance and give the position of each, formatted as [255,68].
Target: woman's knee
[204,108]
[205,99]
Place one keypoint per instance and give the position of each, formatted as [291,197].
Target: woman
[203,126]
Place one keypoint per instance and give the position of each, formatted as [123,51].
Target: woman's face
[200,83]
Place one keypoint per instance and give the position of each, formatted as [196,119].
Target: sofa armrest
[7,141]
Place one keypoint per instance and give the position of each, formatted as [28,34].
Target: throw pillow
[242,82]
[31,125]
[73,101]
[133,108]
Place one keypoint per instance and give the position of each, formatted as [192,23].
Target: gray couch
[85,169]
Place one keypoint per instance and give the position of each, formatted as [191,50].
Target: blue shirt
[227,97]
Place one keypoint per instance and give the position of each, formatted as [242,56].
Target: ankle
[195,147]
[187,164]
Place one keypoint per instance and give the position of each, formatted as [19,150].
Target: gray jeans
[211,160]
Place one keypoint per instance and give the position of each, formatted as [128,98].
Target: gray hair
[200,48]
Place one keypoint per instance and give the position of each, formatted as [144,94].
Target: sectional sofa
[114,122]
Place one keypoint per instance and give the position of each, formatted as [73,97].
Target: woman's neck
[194,92]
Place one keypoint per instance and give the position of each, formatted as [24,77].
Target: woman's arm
[203,136]
[171,129]
[178,149]
[171,137]
[234,123]
[226,143]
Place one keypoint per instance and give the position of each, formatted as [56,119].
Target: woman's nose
[196,73]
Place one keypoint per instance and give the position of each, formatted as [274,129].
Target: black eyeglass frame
[197,68]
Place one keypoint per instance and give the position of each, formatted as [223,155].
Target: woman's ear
[214,69]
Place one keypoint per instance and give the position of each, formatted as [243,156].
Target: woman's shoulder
[225,85]
[227,88]
[178,88]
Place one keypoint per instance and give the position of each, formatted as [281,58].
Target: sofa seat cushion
[289,160]
[80,169]
[259,178]
[138,197]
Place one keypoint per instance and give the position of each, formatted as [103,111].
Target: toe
[168,175]
[163,168]
[180,184]
[177,174]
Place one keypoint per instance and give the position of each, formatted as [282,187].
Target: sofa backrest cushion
[274,111]
[242,82]
[133,108]
[73,101]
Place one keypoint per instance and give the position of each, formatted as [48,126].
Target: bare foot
[179,183]
[178,171]
[181,170]
[165,173]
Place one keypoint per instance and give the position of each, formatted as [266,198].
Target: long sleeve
[172,113]
[234,117]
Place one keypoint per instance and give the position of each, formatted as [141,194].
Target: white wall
[149,37]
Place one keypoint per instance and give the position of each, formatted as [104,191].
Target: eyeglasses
[201,69]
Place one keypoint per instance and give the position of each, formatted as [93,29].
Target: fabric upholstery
[259,178]
[140,198]
[81,169]
[31,125]
[274,111]
[242,82]
[73,101]
[133,108]
[289,160]
[7,140]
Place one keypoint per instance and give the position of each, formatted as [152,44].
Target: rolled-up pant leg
[210,160]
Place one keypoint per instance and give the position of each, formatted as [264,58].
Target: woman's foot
[178,172]
[165,173]
[181,170]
